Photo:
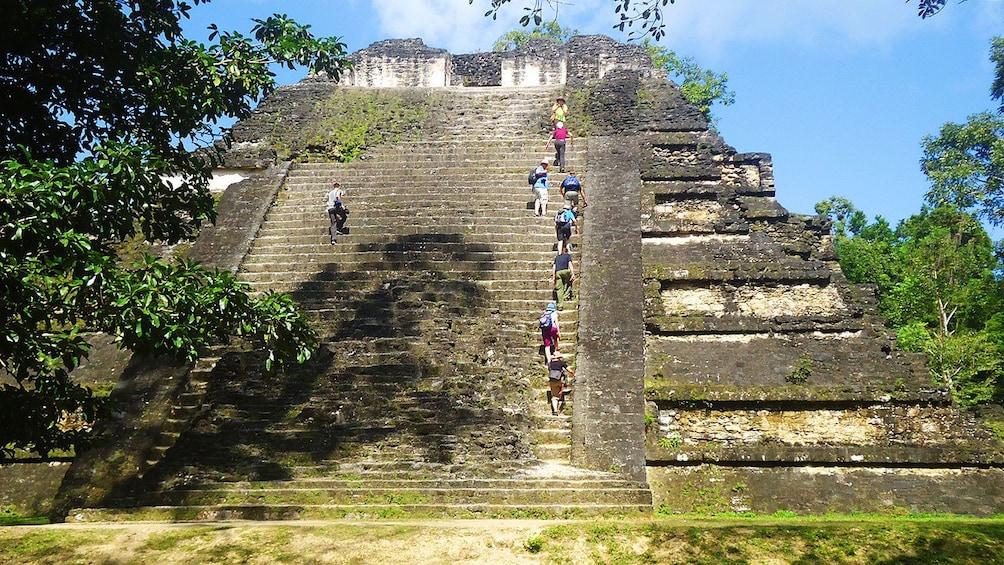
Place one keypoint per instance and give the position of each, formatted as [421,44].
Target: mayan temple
[723,362]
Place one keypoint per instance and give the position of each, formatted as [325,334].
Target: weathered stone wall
[477,69]
[818,489]
[399,63]
[591,57]
[609,403]
[765,370]
[541,62]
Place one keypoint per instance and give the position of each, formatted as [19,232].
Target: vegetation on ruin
[702,87]
[90,132]
[351,121]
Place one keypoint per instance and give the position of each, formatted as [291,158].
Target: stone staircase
[429,394]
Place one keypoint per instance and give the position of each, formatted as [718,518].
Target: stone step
[362,494]
[438,229]
[369,511]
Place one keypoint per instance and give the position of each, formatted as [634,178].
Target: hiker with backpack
[539,183]
[564,220]
[559,375]
[562,277]
[571,190]
[549,333]
[559,137]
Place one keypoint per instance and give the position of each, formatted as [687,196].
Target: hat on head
[560,99]
[551,307]
[543,162]
[567,206]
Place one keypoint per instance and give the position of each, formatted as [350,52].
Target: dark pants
[337,218]
[564,233]
[559,154]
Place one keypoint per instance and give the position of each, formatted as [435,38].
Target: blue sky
[839,92]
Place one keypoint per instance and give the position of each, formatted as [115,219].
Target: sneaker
[339,233]
[333,242]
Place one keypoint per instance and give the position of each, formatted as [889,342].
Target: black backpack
[532,179]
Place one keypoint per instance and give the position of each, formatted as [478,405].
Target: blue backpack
[545,320]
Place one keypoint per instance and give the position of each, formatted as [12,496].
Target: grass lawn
[754,540]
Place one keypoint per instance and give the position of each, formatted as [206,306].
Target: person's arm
[554,273]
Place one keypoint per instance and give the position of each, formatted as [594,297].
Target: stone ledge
[970,455]
[802,397]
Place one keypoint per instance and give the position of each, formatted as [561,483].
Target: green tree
[512,40]
[935,283]
[965,164]
[103,100]
[997,87]
[700,86]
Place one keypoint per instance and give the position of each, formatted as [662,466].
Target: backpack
[560,219]
[532,179]
[545,320]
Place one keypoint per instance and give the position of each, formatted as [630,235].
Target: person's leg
[559,150]
[548,346]
[564,286]
[332,229]
[559,290]
[572,198]
[555,395]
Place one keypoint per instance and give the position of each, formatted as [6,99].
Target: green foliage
[700,86]
[515,39]
[965,164]
[969,363]
[847,220]
[672,441]
[90,130]
[800,372]
[997,56]
[534,544]
[935,282]
[9,516]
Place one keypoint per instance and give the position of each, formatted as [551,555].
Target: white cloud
[453,25]
[704,28]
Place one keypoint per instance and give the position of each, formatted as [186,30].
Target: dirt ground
[453,542]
